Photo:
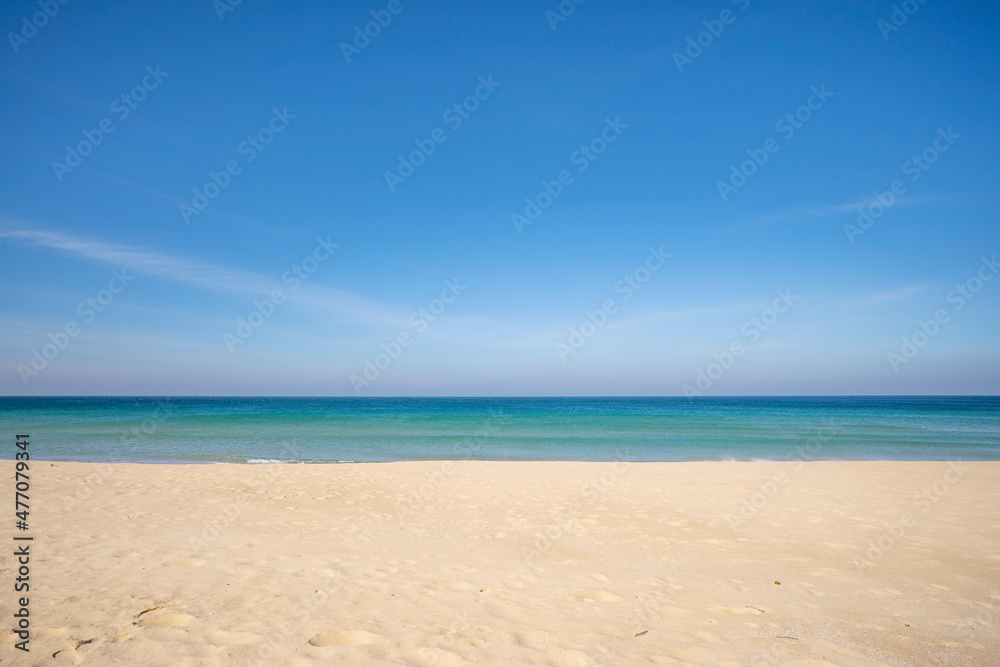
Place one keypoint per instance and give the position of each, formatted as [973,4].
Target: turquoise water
[585,429]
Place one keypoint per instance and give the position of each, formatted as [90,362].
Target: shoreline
[515,562]
[254,462]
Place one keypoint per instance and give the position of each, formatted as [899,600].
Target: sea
[248,430]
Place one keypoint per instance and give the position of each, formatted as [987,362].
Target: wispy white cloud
[456,328]
[799,213]
[810,212]
[870,299]
[349,306]
[889,296]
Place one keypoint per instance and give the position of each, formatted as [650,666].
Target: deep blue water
[391,429]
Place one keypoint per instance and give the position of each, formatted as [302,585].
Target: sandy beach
[488,563]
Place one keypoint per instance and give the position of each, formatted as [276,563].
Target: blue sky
[640,136]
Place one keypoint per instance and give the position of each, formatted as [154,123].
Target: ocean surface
[264,430]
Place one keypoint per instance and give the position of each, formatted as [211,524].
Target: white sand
[512,564]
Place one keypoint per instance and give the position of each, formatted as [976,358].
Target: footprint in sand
[69,654]
[344,638]
[539,641]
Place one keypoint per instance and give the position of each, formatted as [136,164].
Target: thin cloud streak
[348,307]
[352,307]
[801,213]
